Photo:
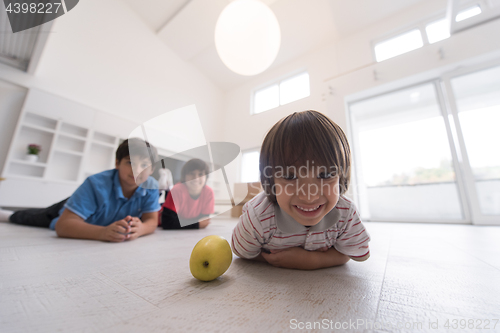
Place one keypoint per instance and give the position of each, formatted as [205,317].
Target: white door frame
[478,218]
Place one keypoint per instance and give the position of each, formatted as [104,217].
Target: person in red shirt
[190,202]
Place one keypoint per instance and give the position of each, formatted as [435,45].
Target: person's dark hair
[194,164]
[300,138]
[139,148]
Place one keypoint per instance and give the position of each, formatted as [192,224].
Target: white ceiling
[187,27]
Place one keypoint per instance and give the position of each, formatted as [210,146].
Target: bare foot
[204,223]
[5,214]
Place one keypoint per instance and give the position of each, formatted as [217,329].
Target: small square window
[294,88]
[440,30]
[281,93]
[250,166]
[266,99]
[437,31]
[398,45]
[468,13]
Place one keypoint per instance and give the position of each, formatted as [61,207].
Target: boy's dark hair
[194,164]
[139,148]
[307,136]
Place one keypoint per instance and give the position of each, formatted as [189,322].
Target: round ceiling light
[247,37]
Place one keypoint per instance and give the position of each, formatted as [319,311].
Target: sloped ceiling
[187,27]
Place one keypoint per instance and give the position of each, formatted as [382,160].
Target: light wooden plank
[417,273]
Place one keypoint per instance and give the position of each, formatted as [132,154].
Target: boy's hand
[286,258]
[116,231]
[136,227]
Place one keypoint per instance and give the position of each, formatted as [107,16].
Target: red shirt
[187,207]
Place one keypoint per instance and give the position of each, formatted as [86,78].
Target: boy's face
[127,166]
[195,180]
[307,195]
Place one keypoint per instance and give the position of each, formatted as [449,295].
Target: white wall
[346,67]
[330,60]
[102,55]
[11,101]
[247,130]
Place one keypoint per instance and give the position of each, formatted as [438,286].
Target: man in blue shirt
[108,206]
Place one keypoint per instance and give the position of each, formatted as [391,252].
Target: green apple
[210,258]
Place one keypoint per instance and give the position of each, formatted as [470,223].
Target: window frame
[464,178]
[243,152]
[395,35]
[486,12]
[356,173]
[278,82]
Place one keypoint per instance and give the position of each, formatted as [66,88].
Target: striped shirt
[264,225]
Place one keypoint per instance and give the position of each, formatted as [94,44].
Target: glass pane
[437,31]
[478,102]
[250,167]
[294,88]
[468,13]
[266,99]
[398,45]
[403,157]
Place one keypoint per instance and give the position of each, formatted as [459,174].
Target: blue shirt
[100,201]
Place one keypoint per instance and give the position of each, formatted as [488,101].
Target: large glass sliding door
[430,152]
[403,158]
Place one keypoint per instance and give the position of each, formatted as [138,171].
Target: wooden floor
[419,277]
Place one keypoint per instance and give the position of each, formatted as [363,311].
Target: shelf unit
[70,153]
[101,154]
[76,142]
[63,149]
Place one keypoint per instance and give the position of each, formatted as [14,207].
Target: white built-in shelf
[33,119]
[70,144]
[76,141]
[32,135]
[39,128]
[71,152]
[26,169]
[73,130]
[64,150]
[100,157]
[103,138]
[72,136]
[104,144]
[38,164]
[64,166]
